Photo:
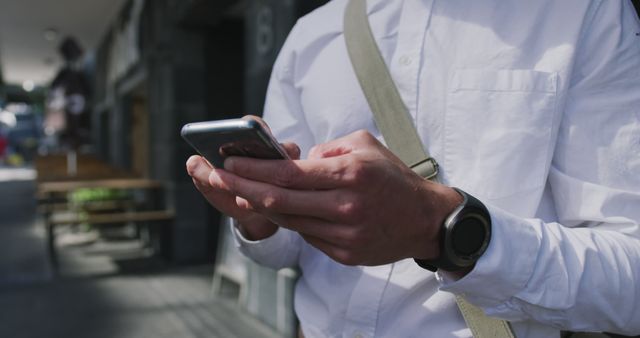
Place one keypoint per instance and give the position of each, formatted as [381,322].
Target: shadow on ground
[104,289]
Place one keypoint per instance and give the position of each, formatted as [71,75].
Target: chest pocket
[498,130]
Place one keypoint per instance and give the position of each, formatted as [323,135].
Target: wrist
[463,237]
[443,200]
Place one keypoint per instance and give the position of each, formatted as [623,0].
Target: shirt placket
[407,58]
[364,305]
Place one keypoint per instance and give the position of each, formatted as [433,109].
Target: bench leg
[51,247]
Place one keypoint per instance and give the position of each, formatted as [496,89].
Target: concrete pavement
[90,301]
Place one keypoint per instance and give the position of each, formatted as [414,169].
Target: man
[531,107]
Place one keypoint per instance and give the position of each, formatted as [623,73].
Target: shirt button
[405,60]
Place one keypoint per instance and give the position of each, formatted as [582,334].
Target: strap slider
[427,168]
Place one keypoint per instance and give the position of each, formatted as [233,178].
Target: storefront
[167,63]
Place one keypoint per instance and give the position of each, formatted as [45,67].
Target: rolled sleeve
[569,278]
[514,247]
[578,270]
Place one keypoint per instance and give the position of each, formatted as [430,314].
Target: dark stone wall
[267,23]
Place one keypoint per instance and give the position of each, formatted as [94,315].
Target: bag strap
[393,120]
[482,326]
[391,115]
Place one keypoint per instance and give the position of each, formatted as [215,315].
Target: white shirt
[531,106]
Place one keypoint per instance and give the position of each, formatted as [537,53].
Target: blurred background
[103,234]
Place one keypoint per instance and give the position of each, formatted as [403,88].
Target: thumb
[292,149]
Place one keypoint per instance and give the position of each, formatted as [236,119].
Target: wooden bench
[57,210]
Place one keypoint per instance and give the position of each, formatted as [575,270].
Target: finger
[330,149]
[316,174]
[218,199]
[335,233]
[344,145]
[199,169]
[330,205]
[292,149]
[206,180]
[219,195]
[193,162]
[357,142]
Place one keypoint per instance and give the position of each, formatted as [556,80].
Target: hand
[352,199]
[207,180]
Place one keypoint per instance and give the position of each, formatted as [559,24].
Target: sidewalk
[159,302]
[22,251]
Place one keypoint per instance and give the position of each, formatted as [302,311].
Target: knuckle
[353,239]
[244,204]
[341,171]
[357,173]
[314,151]
[362,133]
[365,136]
[202,187]
[272,200]
[285,176]
[214,181]
[352,210]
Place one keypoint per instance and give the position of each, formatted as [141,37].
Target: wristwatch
[464,236]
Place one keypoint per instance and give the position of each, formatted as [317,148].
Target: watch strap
[435,264]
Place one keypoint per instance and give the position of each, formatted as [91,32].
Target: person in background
[530,107]
[4,144]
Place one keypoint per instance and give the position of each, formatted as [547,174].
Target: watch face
[469,236]
[464,238]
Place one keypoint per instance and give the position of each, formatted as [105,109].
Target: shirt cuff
[505,267]
[262,248]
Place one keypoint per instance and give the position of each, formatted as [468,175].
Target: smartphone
[217,140]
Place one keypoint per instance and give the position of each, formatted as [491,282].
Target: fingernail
[228,164]
[192,165]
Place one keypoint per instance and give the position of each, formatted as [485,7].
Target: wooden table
[53,168]
[57,210]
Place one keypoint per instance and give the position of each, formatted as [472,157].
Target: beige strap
[391,115]
[482,326]
[393,120]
